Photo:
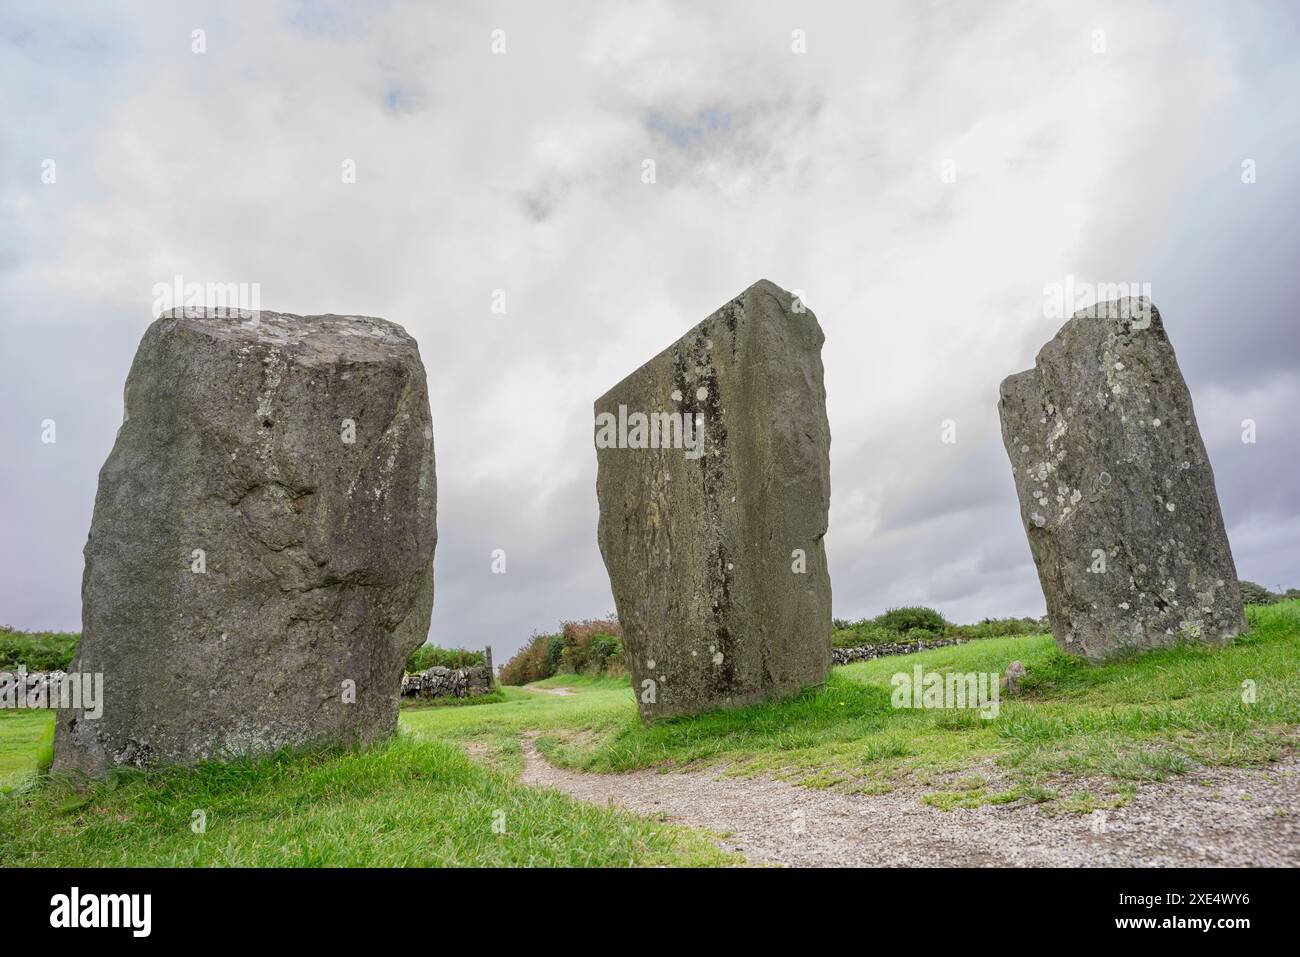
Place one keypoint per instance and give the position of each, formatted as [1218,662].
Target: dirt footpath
[1231,817]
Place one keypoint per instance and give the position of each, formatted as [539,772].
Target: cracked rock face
[1116,491]
[260,561]
[714,543]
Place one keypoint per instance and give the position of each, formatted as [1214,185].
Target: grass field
[406,803]
[22,734]
[421,800]
[1146,719]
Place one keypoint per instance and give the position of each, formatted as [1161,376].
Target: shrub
[592,647]
[999,628]
[864,632]
[924,624]
[1253,594]
[588,646]
[616,664]
[37,650]
[602,653]
[532,662]
[431,656]
[904,619]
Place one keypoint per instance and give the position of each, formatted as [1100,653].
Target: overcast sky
[1113,157]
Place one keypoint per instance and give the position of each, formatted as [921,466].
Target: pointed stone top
[755,301]
[1127,315]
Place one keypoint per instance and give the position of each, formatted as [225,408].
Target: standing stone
[714,485]
[260,560]
[1116,491]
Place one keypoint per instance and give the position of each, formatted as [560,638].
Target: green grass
[1147,719]
[23,734]
[598,706]
[421,800]
[490,697]
[405,803]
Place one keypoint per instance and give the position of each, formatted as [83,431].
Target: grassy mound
[407,803]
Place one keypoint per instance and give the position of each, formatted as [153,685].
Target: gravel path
[1218,817]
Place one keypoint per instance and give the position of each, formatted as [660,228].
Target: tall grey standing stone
[260,561]
[1116,490]
[714,545]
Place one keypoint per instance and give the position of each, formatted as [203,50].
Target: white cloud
[476,172]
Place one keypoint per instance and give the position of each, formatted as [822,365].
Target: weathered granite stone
[260,561]
[714,545]
[1116,490]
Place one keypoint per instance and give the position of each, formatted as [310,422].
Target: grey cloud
[522,173]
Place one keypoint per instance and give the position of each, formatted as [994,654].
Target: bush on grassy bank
[1253,594]
[918,623]
[37,650]
[431,656]
[593,647]
[1001,628]
[531,662]
[912,617]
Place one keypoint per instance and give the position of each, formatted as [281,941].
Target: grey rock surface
[440,682]
[260,560]
[1015,672]
[714,546]
[1116,490]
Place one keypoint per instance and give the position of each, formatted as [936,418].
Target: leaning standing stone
[260,561]
[1116,491]
[714,484]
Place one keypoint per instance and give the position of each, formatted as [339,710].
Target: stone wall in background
[845,656]
[439,682]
